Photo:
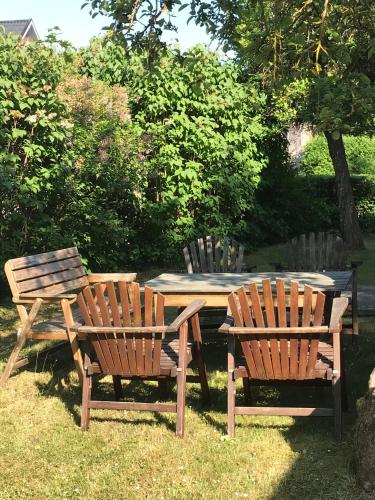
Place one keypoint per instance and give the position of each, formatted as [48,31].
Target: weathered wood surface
[283,336]
[211,254]
[129,341]
[48,278]
[316,252]
[216,283]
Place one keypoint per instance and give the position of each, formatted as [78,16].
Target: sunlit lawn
[43,453]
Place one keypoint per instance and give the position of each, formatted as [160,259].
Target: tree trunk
[349,224]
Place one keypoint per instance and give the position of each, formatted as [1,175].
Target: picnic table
[180,289]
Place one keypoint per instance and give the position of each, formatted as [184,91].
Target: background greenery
[151,154]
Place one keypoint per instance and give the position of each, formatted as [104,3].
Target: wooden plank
[312,250]
[124,405]
[136,303]
[113,303]
[84,310]
[53,267]
[320,252]
[194,257]
[210,257]
[293,361]
[43,282]
[233,256]
[121,343]
[60,288]
[148,353]
[92,307]
[284,411]
[241,253]
[319,309]
[188,263]
[43,258]
[148,296]
[218,266]
[307,304]
[298,330]
[202,255]
[245,343]
[256,306]
[268,303]
[235,312]
[125,305]
[116,277]
[225,255]
[246,314]
[103,308]
[159,316]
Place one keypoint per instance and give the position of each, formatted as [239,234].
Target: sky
[78,27]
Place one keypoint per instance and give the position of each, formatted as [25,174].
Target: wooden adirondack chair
[134,343]
[283,338]
[44,279]
[212,255]
[320,252]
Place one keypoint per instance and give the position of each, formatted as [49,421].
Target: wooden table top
[216,283]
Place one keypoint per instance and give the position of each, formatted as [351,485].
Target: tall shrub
[205,143]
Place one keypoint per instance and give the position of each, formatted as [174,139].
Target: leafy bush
[205,137]
[360,153]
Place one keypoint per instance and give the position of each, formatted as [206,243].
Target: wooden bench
[322,252]
[45,279]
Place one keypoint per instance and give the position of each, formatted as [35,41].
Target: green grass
[44,455]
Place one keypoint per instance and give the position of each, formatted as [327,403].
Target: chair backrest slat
[134,352]
[316,252]
[213,255]
[289,355]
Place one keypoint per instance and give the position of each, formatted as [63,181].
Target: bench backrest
[280,335]
[316,252]
[213,255]
[51,273]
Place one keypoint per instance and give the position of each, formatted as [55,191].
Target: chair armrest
[103,277]
[26,298]
[339,306]
[186,314]
[228,323]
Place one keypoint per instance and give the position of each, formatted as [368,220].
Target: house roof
[21,27]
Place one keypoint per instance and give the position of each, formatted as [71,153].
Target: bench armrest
[103,277]
[185,315]
[27,298]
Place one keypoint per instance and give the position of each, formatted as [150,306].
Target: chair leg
[13,358]
[181,382]
[119,393]
[199,360]
[247,390]
[336,387]
[231,387]
[86,398]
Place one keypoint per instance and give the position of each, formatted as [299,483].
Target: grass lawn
[44,455]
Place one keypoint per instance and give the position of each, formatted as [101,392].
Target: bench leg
[27,324]
[10,366]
